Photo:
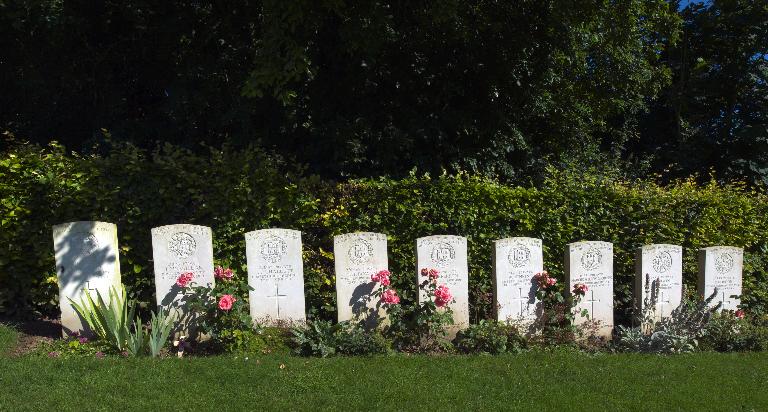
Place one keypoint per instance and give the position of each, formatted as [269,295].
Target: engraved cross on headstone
[724,300]
[592,303]
[277,297]
[89,288]
[520,299]
[661,303]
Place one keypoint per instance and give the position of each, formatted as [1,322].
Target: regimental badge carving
[360,252]
[724,263]
[273,249]
[591,259]
[662,262]
[182,245]
[89,243]
[442,254]
[519,256]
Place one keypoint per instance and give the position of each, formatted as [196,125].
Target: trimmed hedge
[238,191]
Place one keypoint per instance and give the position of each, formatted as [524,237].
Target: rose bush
[221,311]
[422,326]
[556,323]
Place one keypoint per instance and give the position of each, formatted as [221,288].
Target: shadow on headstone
[359,300]
[80,260]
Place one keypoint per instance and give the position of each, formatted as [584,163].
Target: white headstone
[515,262]
[86,259]
[665,264]
[591,263]
[447,254]
[357,256]
[178,249]
[721,267]
[276,274]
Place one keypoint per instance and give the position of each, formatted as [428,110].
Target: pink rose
[83,340]
[390,297]
[424,272]
[551,282]
[221,273]
[226,301]
[184,279]
[382,276]
[543,280]
[580,289]
[740,314]
[433,274]
[442,296]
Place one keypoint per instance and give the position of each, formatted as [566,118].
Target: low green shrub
[75,346]
[359,341]
[488,336]
[259,340]
[681,332]
[728,331]
[316,338]
[323,339]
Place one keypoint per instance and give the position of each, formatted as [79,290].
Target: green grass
[531,381]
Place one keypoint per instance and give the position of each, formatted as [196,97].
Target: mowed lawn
[530,381]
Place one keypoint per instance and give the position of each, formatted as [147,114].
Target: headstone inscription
[86,255]
[663,265]
[516,260]
[357,256]
[178,249]
[276,276]
[447,254]
[591,264]
[721,267]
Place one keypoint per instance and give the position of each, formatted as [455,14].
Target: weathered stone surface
[447,254]
[86,259]
[662,263]
[276,276]
[591,263]
[721,267]
[358,256]
[516,260]
[177,249]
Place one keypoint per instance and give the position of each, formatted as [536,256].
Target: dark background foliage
[370,88]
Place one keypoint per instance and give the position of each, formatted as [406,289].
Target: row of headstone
[87,259]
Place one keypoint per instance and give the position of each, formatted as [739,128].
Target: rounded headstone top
[182,227]
[80,223]
[441,238]
[365,235]
[518,240]
[290,233]
[589,244]
[723,248]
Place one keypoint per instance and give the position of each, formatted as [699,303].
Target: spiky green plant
[110,320]
[137,341]
[160,328]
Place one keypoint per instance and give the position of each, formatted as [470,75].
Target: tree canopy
[369,88]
